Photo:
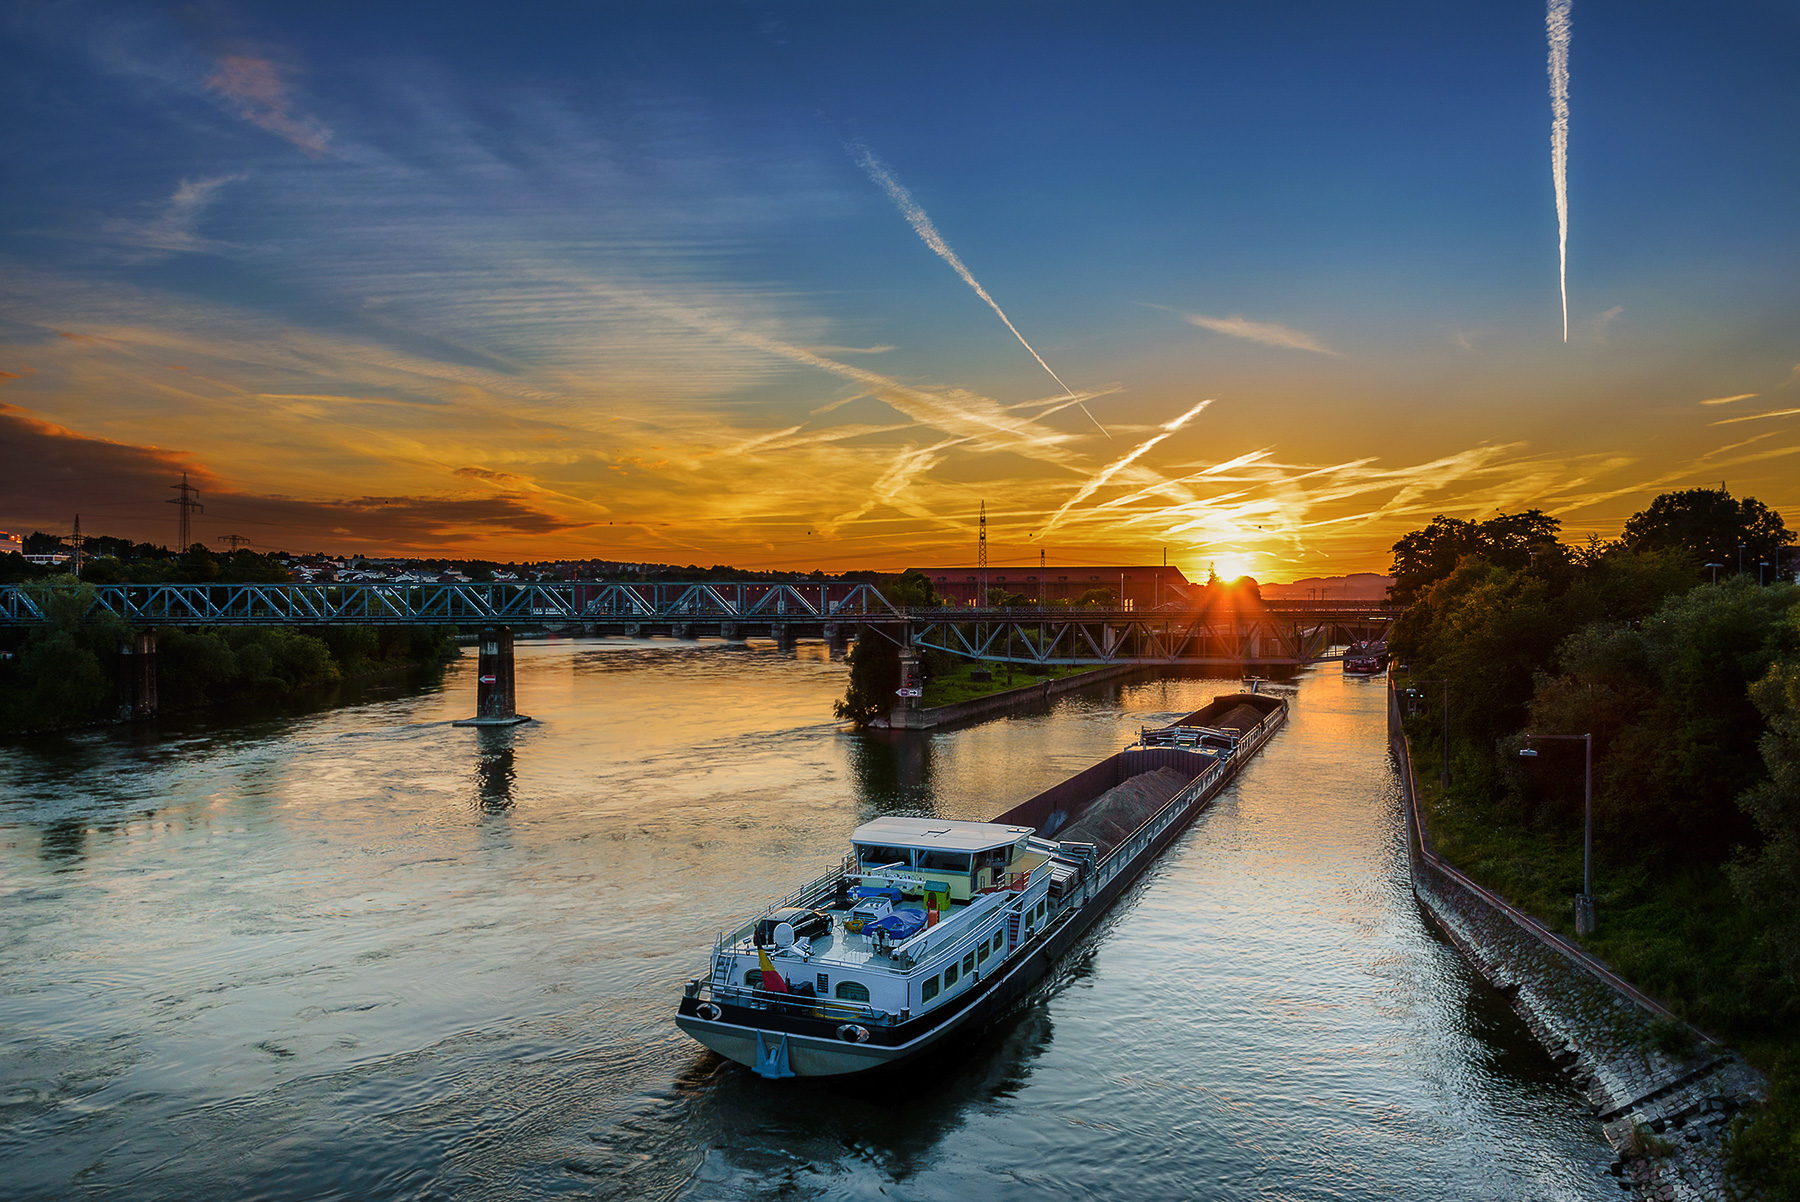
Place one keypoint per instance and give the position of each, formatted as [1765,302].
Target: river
[364,954]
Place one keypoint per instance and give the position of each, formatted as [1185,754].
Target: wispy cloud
[257,88]
[1266,332]
[1101,478]
[1754,417]
[1726,400]
[174,228]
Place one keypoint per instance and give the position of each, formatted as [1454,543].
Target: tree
[874,675]
[911,590]
[1512,541]
[1712,525]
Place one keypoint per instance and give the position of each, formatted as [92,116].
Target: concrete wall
[1663,1113]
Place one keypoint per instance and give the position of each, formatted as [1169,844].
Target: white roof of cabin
[943,834]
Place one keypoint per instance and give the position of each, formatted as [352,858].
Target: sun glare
[1231,565]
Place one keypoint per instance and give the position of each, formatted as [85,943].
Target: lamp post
[1584,901]
[1715,571]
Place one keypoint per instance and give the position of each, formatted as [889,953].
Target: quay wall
[1663,1091]
[1009,700]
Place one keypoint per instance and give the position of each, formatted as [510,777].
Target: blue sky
[620,281]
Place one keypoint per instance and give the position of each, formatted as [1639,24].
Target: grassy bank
[958,684]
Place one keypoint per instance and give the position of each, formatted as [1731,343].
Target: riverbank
[1664,1092]
[1006,700]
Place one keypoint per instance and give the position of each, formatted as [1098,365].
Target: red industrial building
[1140,586]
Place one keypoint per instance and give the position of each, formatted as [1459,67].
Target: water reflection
[494,769]
[893,771]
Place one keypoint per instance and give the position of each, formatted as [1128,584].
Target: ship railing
[828,1007]
[814,890]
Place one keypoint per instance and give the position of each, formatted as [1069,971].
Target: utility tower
[234,541]
[78,542]
[188,503]
[981,556]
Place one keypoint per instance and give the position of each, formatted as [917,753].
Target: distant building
[11,544]
[1138,586]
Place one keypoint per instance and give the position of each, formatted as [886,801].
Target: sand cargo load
[931,927]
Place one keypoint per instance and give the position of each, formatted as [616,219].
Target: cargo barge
[933,927]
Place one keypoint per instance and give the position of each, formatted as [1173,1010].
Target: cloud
[1726,400]
[174,228]
[1266,332]
[58,471]
[1596,328]
[257,89]
[1753,417]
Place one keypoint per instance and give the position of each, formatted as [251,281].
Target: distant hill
[1363,586]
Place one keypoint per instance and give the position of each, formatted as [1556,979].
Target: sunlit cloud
[1754,417]
[1726,400]
[257,89]
[1266,332]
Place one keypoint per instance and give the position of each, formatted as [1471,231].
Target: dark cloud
[49,473]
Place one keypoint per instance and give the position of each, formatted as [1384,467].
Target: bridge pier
[906,706]
[784,637]
[136,676]
[495,700]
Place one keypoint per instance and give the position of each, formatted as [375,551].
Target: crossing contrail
[1556,22]
[928,233]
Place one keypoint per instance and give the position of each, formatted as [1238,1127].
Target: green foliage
[911,590]
[1103,595]
[874,675]
[1769,878]
[1765,1144]
[1427,556]
[60,674]
[1711,524]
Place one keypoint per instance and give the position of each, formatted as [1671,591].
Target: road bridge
[1231,632]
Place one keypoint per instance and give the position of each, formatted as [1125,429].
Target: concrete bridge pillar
[837,635]
[906,705]
[495,699]
[728,631]
[136,677]
[784,637]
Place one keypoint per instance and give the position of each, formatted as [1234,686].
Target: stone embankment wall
[1663,1092]
[1004,702]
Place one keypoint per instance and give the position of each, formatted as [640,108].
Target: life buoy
[708,1011]
[852,1033]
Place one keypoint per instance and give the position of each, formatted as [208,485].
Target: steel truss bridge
[1270,633]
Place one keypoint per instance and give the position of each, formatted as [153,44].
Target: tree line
[1677,647]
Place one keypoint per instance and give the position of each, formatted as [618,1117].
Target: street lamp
[1715,569]
[1584,902]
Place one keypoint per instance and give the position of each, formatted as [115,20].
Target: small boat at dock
[933,927]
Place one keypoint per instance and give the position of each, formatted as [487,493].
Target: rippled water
[364,954]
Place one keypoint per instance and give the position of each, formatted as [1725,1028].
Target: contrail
[1556,22]
[1099,479]
[916,216]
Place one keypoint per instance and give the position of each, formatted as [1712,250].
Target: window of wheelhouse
[874,855]
[852,991]
[945,861]
[929,989]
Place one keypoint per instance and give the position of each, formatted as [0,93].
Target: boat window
[874,856]
[969,963]
[950,976]
[981,953]
[852,991]
[944,861]
[753,978]
[929,989]
[998,936]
